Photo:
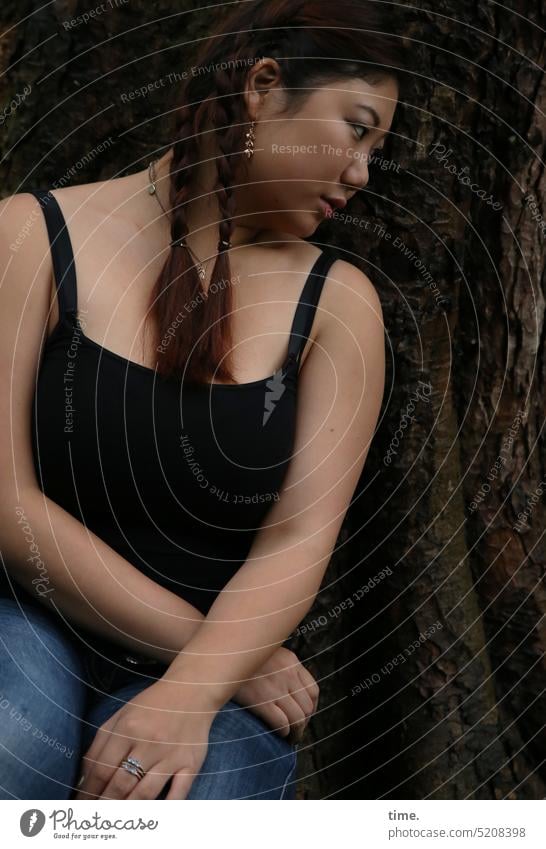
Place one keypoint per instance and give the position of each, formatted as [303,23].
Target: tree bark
[462,286]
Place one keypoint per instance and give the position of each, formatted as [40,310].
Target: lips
[329,204]
[327,210]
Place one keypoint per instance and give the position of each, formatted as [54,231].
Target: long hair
[309,40]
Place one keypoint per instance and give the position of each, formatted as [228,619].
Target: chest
[111,438]
[115,284]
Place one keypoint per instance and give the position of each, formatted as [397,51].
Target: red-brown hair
[307,39]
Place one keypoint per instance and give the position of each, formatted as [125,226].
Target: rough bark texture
[462,716]
[432,678]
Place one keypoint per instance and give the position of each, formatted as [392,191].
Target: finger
[180,785]
[106,777]
[303,698]
[294,712]
[121,781]
[101,736]
[311,686]
[152,784]
[92,757]
[273,717]
[277,719]
[87,777]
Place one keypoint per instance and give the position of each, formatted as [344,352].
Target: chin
[305,227]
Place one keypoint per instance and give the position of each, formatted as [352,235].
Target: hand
[283,693]
[153,727]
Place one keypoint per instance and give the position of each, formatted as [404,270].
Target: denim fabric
[54,696]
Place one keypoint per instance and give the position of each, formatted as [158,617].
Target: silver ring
[134,766]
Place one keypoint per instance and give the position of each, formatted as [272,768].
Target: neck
[202,215]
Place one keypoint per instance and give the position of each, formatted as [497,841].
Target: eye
[361,127]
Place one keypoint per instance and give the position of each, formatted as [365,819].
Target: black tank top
[175,477]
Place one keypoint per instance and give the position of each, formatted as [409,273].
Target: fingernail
[80,782]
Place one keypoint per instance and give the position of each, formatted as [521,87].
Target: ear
[263,76]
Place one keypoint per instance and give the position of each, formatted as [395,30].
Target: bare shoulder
[20,212]
[25,250]
[351,295]
[348,349]
[24,241]
[348,298]
[86,204]
[348,295]
[85,200]
[14,209]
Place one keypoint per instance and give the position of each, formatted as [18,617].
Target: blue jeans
[54,695]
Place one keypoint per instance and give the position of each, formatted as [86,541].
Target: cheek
[305,143]
[286,178]
[278,174]
[312,151]
[298,161]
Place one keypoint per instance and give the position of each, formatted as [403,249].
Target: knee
[234,723]
[245,759]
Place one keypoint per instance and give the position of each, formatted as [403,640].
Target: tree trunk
[433,681]
[428,634]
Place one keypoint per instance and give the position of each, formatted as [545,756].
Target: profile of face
[322,150]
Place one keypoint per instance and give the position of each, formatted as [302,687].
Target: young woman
[183,424]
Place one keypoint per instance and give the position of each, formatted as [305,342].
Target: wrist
[192,692]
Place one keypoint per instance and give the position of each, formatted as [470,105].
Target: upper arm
[340,390]
[25,274]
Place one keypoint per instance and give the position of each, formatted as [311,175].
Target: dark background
[461,715]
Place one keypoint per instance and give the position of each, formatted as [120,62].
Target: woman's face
[322,150]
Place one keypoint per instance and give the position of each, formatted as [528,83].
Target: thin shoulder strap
[61,252]
[307,304]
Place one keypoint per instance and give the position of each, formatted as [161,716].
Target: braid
[222,110]
[229,136]
[179,263]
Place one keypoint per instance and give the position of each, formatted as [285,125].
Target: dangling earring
[249,148]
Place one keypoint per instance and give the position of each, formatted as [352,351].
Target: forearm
[253,615]
[69,569]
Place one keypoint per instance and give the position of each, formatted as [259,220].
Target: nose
[356,174]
